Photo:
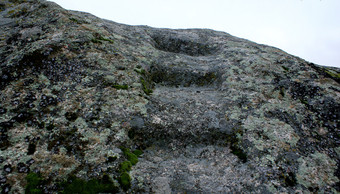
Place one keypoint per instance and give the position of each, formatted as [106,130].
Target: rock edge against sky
[92,105]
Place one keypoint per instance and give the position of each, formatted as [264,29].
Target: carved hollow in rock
[175,44]
[186,78]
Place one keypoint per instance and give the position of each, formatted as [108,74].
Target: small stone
[22,168]
[8,168]
[3,179]
[6,189]
[30,162]
[2,111]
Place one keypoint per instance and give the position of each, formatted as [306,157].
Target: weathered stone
[197,111]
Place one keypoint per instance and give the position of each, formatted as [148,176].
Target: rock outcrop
[90,105]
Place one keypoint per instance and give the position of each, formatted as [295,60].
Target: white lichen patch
[54,163]
[81,125]
[95,153]
[264,133]
[316,170]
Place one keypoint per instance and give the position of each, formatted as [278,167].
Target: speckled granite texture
[90,105]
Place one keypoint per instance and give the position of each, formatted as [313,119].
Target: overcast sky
[309,29]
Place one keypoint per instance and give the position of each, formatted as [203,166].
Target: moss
[140,71]
[125,181]
[18,13]
[145,87]
[17,1]
[96,41]
[72,185]
[121,87]
[77,185]
[34,181]
[138,152]
[75,20]
[106,39]
[125,166]
[130,156]
[144,79]
[99,38]
[303,101]
[332,74]
[285,68]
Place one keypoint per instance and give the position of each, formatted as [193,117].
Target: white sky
[309,29]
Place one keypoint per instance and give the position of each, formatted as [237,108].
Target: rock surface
[91,105]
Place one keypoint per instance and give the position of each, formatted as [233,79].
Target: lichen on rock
[92,105]
[316,170]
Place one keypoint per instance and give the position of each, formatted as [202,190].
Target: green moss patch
[125,166]
[34,182]
[138,152]
[140,71]
[333,74]
[121,87]
[130,156]
[77,185]
[285,68]
[99,38]
[125,180]
[146,86]
[144,79]
[73,185]
[75,20]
